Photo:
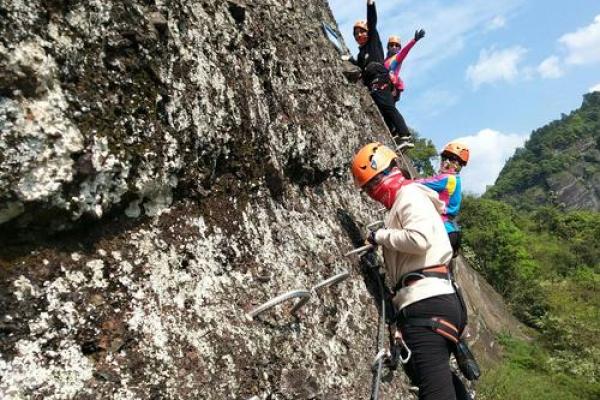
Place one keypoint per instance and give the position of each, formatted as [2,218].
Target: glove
[419,34]
[346,57]
[371,238]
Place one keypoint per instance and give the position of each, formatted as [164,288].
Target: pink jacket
[394,63]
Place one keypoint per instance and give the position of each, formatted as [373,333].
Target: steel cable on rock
[380,346]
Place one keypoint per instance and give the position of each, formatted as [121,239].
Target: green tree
[422,154]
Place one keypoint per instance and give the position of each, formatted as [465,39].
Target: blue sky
[488,71]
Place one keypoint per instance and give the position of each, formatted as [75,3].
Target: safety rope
[381,353]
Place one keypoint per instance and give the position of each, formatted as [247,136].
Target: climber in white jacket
[416,251]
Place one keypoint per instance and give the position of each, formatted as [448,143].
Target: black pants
[392,117]
[455,240]
[429,367]
[396,94]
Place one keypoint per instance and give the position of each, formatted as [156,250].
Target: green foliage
[546,263]
[422,154]
[526,375]
[577,232]
[544,260]
[500,246]
[552,149]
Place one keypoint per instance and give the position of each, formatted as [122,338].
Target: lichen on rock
[173,165]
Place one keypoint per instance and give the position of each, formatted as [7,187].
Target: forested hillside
[545,263]
[534,236]
[560,163]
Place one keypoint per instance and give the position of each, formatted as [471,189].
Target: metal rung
[299,305]
[304,295]
[359,250]
[332,281]
[376,224]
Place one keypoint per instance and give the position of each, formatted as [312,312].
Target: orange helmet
[361,25]
[369,161]
[395,40]
[457,149]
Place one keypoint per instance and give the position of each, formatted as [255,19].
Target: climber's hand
[419,34]
[346,57]
[371,238]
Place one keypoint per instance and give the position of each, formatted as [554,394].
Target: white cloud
[498,22]
[595,88]
[550,68]
[496,65]
[583,45]
[489,151]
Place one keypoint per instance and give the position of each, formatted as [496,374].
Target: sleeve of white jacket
[415,213]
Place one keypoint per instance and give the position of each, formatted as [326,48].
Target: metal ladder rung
[303,294]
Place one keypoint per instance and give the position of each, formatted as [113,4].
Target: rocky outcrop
[488,314]
[115,106]
[164,168]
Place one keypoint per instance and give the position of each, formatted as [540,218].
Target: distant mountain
[560,163]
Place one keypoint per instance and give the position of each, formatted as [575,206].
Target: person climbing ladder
[395,56]
[376,77]
[416,251]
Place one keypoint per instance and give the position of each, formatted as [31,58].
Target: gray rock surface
[166,166]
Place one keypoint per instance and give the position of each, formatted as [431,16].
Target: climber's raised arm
[371,15]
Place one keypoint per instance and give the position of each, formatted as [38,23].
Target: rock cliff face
[165,166]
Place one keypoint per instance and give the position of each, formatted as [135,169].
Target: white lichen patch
[27,61]
[124,274]
[46,142]
[97,280]
[76,278]
[31,371]
[24,288]
[106,187]
[38,139]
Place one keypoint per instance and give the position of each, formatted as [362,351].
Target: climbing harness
[466,361]
[377,86]
[303,295]
[438,271]
[464,358]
